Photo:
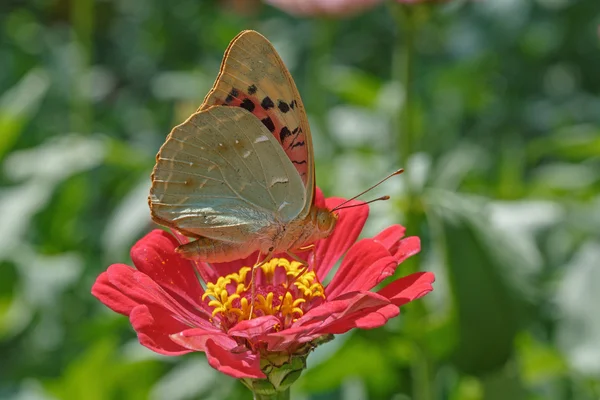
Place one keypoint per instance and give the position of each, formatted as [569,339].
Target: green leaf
[488,281]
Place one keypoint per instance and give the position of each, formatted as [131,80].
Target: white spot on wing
[285,203]
[247,153]
[278,179]
[262,138]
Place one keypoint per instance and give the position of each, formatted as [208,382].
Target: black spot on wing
[283,106]
[268,122]
[299,162]
[248,105]
[297,131]
[232,95]
[267,103]
[284,133]
[252,89]
[293,104]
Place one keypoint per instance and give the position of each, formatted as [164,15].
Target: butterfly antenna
[362,204]
[339,206]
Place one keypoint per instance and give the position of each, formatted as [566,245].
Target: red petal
[319,200]
[373,319]
[155,316]
[390,236]
[155,256]
[406,248]
[222,352]
[238,365]
[206,271]
[317,321]
[231,267]
[153,326]
[400,249]
[366,264]
[252,329]
[358,307]
[408,288]
[349,225]
[195,338]
[142,289]
[112,297]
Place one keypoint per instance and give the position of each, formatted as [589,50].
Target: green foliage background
[499,136]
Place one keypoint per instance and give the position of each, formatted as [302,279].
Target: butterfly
[238,176]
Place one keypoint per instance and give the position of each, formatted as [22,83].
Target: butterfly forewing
[222,175]
[254,77]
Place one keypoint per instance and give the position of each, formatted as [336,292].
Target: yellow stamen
[286,299]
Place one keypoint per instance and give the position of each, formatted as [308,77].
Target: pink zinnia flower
[420,1]
[324,7]
[293,312]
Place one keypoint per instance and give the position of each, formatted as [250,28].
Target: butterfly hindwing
[222,175]
[254,77]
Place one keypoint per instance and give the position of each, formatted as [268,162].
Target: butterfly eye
[325,220]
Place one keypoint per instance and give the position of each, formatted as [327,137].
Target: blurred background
[491,106]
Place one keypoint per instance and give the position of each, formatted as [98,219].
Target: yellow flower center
[283,288]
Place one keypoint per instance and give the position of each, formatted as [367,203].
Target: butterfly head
[325,221]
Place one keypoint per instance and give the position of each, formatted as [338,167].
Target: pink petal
[349,225]
[323,7]
[153,326]
[155,256]
[366,264]
[408,288]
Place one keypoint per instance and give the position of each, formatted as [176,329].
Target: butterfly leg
[305,248]
[256,266]
[210,250]
[296,258]
[302,272]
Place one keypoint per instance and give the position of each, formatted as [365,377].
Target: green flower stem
[285,395]
[82,14]
[320,48]
[404,53]
[403,59]
[421,371]
[408,19]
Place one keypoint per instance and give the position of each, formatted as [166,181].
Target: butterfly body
[278,237]
[238,175]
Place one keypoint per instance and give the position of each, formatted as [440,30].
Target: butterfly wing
[222,175]
[254,77]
